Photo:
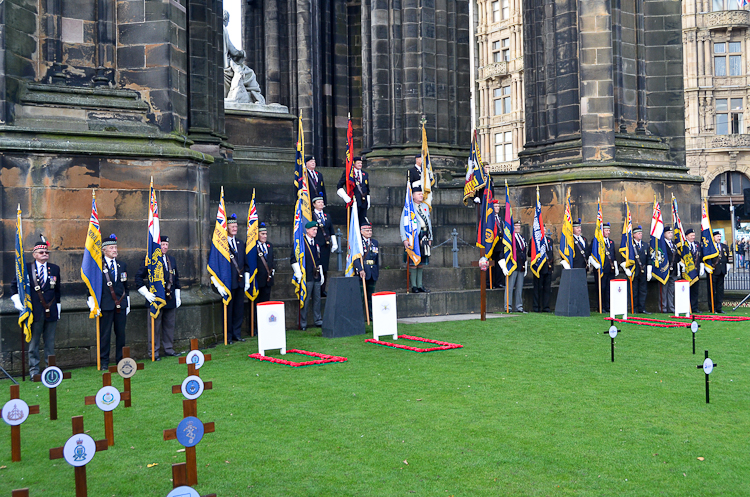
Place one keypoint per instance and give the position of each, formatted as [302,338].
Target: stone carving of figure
[240,84]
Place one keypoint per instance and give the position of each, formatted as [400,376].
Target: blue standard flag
[627,249]
[691,272]
[298,243]
[487,229]
[411,227]
[26,316]
[251,249]
[219,264]
[154,257]
[91,268]
[508,232]
[354,248]
[539,246]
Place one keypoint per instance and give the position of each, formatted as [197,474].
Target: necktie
[40,274]
[112,268]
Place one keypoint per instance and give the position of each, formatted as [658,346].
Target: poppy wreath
[709,317]
[441,345]
[323,358]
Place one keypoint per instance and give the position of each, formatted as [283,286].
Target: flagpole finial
[19,206]
[350,115]
[423,121]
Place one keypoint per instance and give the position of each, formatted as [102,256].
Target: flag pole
[507,299]
[98,346]
[711,282]
[23,354]
[252,318]
[632,302]
[408,288]
[599,272]
[483,288]
[153,335]
[489,261]
[225,324]
[367,306]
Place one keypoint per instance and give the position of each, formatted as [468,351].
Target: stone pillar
[273,76]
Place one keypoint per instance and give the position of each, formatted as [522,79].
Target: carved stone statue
[240,84]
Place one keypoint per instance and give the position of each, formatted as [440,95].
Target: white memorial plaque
[271,327]
[613,331]
[708,366]
[107,398]
[694,326]
[618,298]
[127,367]
[183,492]
[682,297]
[15,412]
[79,450]
[384,316]
[192,387]
[196,358]
[52,377]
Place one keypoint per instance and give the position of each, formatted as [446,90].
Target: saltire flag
[411,227]
[508,233]
[682,245]
[350,181]
[627,248]
[298,242]
[91,267]
[538,246]
[487,229]
[300,173]
[26,316]
[354,249]
[476,179]
[708,245]
[566,235]
[154,259]
[219,261]
[658,245]
[428,178]
[251,249]
[598,248]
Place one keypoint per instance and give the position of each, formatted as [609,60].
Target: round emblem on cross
[52,377]
[192,387]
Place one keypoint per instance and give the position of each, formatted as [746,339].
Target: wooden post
[98,346]
[599,272]
[225,324]
[491,263]
[252,318]
[632,302]
[15,430]
[109,427]
[24,492]
[189,408]
[482,288]
[367,306]
[408,288]
[80,471]
[126,381]
[507,297]
[193,346]
[179,477]
[23,356]
[153,337]
[711,282]
[52,391]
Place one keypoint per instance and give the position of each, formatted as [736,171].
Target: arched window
[730,183]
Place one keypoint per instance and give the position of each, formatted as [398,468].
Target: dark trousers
[109,318]
[498,278]
[41,329]
[606,279]
[542,291]
[370,288]
[163,333]
[235,313]
[718,284]
[362,212]
[694,291]
[264,294]
[640,290]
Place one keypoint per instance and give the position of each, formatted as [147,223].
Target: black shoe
[304,329]
[645,312]
[241,340]
[158,359]
[323,293]
[424,290]
[174,354]
[414,289]
[720,312]
[229,342]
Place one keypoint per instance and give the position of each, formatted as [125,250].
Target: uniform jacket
[610,258]
[50,291]
[371,260]
[361,189]
[520,249]
[317,185]
[581,254]
[238,280]
[425,214]
[119,285]
[312,273]
[673,256]
[415,176]
[549,265]
[720,263]
[325,230]
[141,279]
[262,275]
[642,260]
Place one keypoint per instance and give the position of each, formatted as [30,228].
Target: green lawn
[531,405]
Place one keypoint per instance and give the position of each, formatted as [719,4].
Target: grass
[531,405]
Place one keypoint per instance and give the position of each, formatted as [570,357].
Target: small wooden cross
[189,408]
[179,477]
[80,471]
[707,367]
[15,430]
[126,381]
[193,346]
[24,492]
[109,428]
[53,390]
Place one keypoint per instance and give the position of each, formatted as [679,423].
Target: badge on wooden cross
[107,399]
[15,412]
[51,378]
[180,483]
[707,367]
[126,368]
[78,451]
[189,433]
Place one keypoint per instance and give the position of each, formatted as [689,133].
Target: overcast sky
[235,24]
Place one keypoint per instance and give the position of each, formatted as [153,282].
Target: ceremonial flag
[509,248]
[251,249]
[300,173]
[219,259]
[691,272]
[566,236]
[658,245]
[539,244]
[627,248]
[598,249]
[428,179]
[91,267]
[708,245]
[298,242]
[411,227]
[476,178]
[487,229]
[354,249]
[350,179]
[154,258]
[26,316]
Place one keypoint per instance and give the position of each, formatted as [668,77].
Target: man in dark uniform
[666,290]
[315,180]
[498,279]
[266,265]
[165,322]
[361,189]
[697,258]
[313,274]
[325,238]
[581,248]
[240,282]
[368,272]
[543,283]
[115,303]
[609,268]
[44,278]
[415,173]
[717,269]
[640,277]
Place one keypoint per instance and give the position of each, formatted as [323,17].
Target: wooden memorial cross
[24,492]
[612,335]
[14,416]
[194,360]
[707,366]
[77,453]
[189,409]
[126,368]
[51,377]
[179,477]
[108,404]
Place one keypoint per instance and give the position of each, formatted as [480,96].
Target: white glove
[368,201]
[525,268]
[709,269]
[593,262]
[218,286]
[177,299]
[59,310]
[682,266]
[628,273]
[17,302]
[503,266]
[273,273]
[146,294]
[90,303]
[702,270]
[342,193]
[127,309]
[322,276]
[334,244]
[565,264]
[617,271]
[648,273]
[477,200]
[297,272]
[247,281]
